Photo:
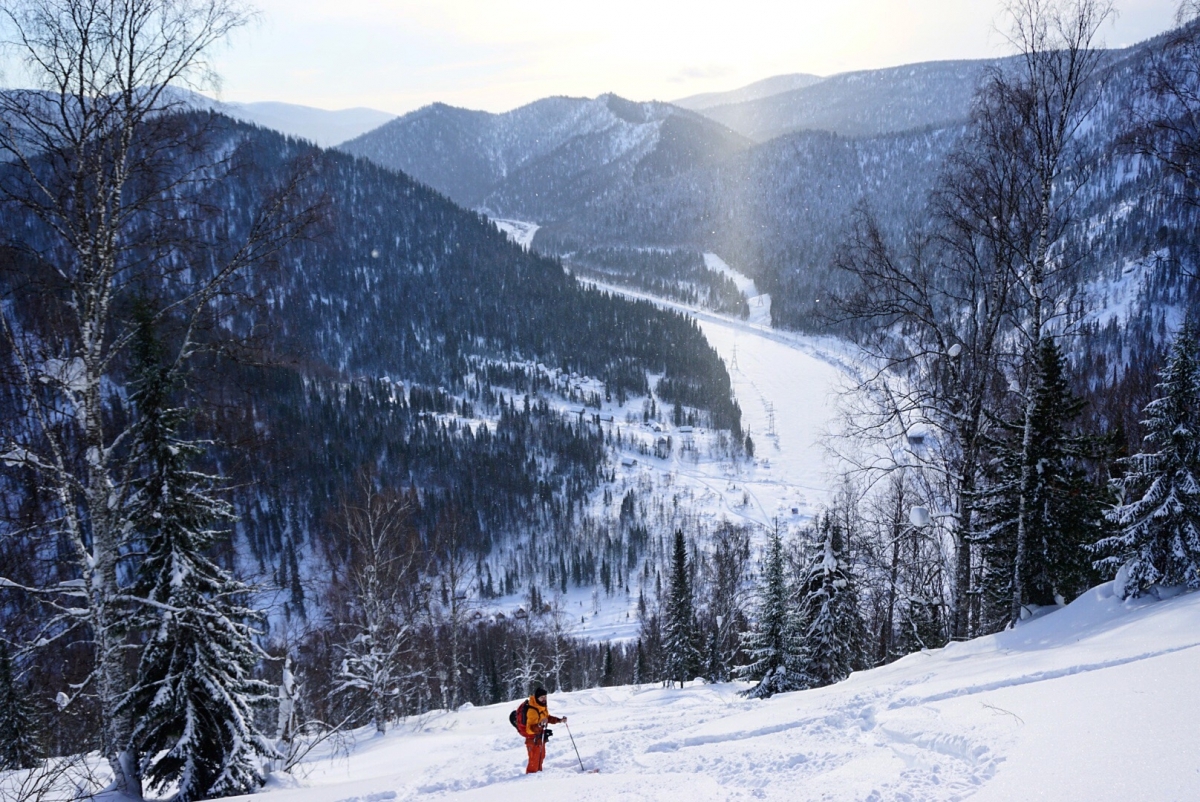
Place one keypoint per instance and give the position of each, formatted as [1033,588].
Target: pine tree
[771,644]
[829,620]
[194,697]
[1159,538]
[681,654]
[18,741]
[1062,508]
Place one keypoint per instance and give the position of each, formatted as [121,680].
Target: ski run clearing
[1094,701]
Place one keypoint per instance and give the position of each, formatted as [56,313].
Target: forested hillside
[383,342]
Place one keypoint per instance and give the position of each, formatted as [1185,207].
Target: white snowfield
[1095,701]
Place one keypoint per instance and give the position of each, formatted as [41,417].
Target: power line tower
[733,365]
[770,419]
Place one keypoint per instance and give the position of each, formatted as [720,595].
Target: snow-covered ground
[1096,701]
[518,231]
[788,386]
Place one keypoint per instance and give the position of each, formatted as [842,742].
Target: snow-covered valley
[1096,701]
[787,385]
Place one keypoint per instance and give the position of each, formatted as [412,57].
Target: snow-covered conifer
[771,643]
[193,700]
[19,748]
[681,653]
[830,625]
[1159,519]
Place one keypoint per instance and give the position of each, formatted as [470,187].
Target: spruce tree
[1062,508]
[1159,519]
[194,696]
[18,739]
[680,651]
[830,624]
[771,642]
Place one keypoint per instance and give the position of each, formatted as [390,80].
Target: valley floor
[1096,701]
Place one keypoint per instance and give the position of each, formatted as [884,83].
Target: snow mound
[1094,701]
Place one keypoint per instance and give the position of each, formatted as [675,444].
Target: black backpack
[518,719]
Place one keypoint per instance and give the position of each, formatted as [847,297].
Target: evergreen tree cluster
[194,697]
[809,631]
[1065,505]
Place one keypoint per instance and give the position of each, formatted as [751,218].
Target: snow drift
[1094,701]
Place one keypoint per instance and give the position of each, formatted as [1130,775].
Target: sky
[399,55]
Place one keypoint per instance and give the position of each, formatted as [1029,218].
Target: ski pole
[572,737]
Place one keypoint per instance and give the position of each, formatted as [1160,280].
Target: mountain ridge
[551,152]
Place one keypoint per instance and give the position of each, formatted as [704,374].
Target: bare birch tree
[1050,93]
[381,570]
[107,175]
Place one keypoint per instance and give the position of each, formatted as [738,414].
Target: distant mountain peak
[546,156]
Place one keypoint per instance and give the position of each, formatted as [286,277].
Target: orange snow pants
[537,753]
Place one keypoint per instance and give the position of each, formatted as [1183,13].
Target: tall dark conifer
[1159,517]
[1063,508]
[193,700]
[680,651]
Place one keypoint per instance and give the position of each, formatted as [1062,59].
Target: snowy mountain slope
[863,103]
[1095,701]
[767,87]
[553,154]
[325,127]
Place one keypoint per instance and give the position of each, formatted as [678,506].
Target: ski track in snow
[1095,701]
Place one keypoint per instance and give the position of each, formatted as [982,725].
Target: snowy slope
[547,158]
[868,102]
[1096,701]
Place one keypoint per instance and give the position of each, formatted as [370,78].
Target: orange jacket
[537,716]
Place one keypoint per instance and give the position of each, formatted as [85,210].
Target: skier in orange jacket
[536,718]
